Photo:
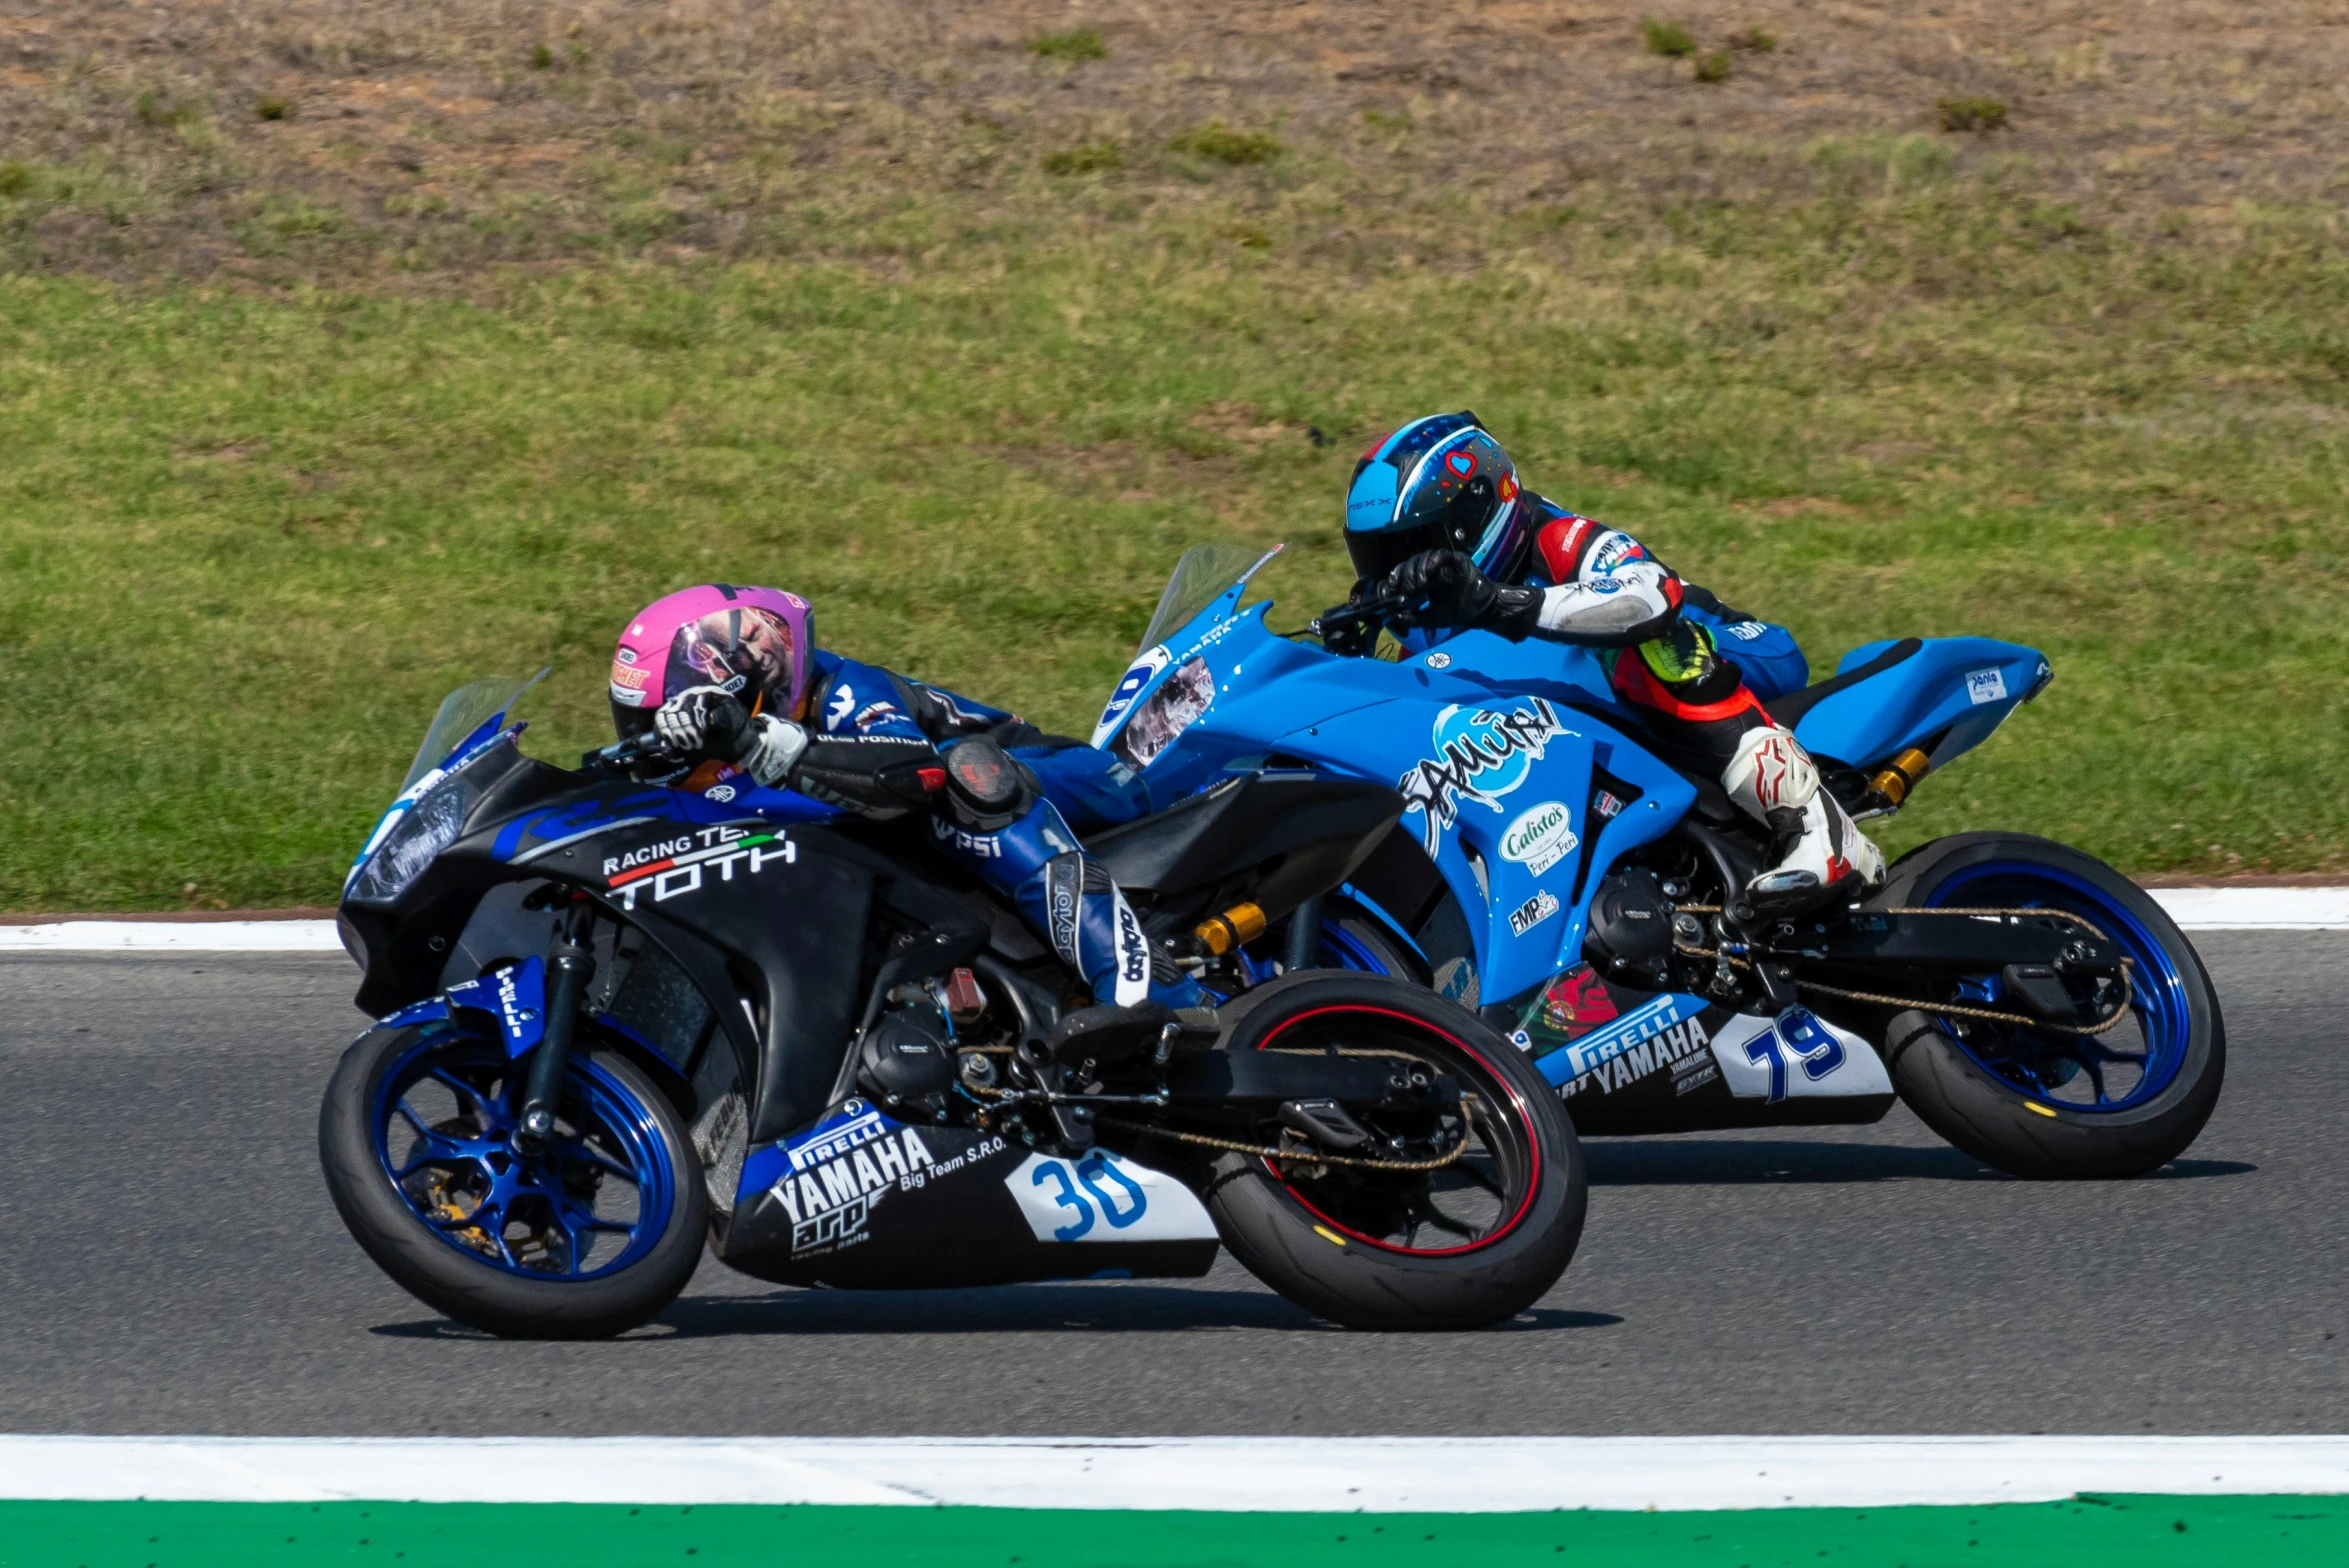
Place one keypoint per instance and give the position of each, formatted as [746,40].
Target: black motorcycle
[619,1018]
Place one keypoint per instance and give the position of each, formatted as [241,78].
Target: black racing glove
[1443,588]
[709,721]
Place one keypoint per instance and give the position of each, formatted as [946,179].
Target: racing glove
[702,721]
[1443,588]
[709,721]
[771,748]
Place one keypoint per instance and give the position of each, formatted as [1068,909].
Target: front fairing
[520,819]
[1496,747]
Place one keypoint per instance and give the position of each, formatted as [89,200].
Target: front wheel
[2038,1102]
[1476,1235]
[593,1235]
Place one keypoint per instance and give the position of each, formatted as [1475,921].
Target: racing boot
[997,822]
[1817,852]
[1075,903]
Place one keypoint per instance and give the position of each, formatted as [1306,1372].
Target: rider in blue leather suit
[751,695]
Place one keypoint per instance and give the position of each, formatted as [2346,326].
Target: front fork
[572,968]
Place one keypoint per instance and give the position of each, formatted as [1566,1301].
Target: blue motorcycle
[1552,874]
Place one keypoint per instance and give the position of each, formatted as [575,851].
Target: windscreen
[1204,574]
[463,711]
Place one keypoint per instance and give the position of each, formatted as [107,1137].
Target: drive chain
[1950,1009]
[1306,1156]
[1300,1156]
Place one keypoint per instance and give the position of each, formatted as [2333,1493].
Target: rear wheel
[2045,1103]
[1475,1237]
[593,1235]
[1353,938]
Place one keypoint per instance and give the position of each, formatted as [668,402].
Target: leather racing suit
[1008,808]
[1659,640]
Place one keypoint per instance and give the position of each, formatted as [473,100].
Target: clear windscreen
[463,711]
[1204,574]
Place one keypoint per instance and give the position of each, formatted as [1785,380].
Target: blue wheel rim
[2079,1074]
[593,1203]
[1341,949]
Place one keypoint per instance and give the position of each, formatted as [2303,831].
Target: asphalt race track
[169,1263]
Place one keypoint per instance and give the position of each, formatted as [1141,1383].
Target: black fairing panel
[950,1224]
[787,917]
[757,911]
[408,941]
[1318,829]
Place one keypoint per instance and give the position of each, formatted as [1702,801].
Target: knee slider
[987,788]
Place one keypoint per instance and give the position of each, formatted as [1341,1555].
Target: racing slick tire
[402,1177]
[2043,1105]
[1461,1247]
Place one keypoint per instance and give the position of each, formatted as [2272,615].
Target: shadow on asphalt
[1008,1309]
[1734,1162]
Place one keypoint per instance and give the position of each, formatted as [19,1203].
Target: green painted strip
[2108,1532]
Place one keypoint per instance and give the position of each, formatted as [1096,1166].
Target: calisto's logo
[1133,956]
[1540,837]
[1481,755]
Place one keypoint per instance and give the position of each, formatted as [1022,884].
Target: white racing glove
[691,721]
[771,748]
[709,721]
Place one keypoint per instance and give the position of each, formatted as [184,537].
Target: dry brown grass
[421,137]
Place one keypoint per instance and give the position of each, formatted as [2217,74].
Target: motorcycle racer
[1436,516]
[731,677]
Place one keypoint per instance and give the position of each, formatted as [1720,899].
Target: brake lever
[1358,612]
[623,756]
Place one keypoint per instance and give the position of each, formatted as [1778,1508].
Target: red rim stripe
[1532,1148]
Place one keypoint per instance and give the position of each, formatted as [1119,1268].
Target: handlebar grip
[722,731]
[622,755]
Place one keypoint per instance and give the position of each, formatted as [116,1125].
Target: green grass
[1078,43]
[247,539]
[1669,39]
[1225,144]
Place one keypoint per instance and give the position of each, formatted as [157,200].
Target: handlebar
[723,734]
[1359,612]
[625,756]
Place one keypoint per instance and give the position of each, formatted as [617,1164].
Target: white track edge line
[173,936]
[1340,1475]
[2193,908]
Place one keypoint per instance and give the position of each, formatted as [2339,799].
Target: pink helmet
[758,643]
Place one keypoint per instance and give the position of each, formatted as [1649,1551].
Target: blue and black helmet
[1439,483]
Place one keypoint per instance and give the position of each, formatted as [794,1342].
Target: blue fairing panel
[1504,785]
[515,997]
[1956,688]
